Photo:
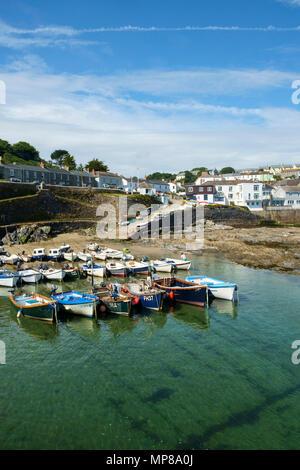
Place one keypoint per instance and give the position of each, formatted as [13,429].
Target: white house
[130,184]
[175,187]
[286,196]
[160,186]
[146,188]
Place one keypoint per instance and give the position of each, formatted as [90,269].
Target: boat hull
[8,281]
[185,292]
[44,312]
[30,278]
[151,301]
[219,289]
[58,275]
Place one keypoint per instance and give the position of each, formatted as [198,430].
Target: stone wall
[9,190]
[281,215]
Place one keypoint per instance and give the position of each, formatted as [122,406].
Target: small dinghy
[99,255]
[52,274]
[127,257]
[9,259]
[113,300]
[137,267]
[30,276]
[93,247]
[77,303]
[95,270]
[163,266]
[71,256]
[219,289]
[110,253]
[64,248]
[179,263]
[8,278]
[148,296]
[24,257]
[116,269]
[185,292]
[34,306]
[84,256]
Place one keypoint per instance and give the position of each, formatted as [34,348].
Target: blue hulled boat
[77,303]
[185,292]
[148,297]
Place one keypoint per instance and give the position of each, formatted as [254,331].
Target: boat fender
[19,314]
[135,300]
[171,295]
[102,308]
[124,289]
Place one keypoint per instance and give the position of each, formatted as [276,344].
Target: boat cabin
[39,252]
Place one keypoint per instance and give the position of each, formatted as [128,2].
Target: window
[209,189]
[12,172]
[230,189]
[219,188]
[205,197]
[230,196]
[256,187]
[256,196]
[190,189]
[200,190]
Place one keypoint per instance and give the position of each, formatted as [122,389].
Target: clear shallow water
[187,379]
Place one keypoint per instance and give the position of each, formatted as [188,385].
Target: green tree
[189,177]
[25,151]
[226,170]
[59,155]
[69,161]
[161,176]
[96,165]
[4,147]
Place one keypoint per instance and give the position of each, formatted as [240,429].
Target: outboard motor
[53,289]
[66,266]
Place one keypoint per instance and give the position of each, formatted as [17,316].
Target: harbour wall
[281,215]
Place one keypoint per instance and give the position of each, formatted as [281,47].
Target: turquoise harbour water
[188,379]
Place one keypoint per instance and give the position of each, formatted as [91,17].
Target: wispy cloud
[294,3]
[158,123]
[67,36]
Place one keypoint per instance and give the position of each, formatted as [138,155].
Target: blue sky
[152,85]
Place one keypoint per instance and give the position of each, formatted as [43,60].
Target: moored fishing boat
[162,266]
[34,306]
[110,253]
[8,278]
[70,256]
[9,259]
[77,303]
[179,263]
[99,255]
[114,300]
[64,248]
[185,292]
[116,269]
[94,270]
[29,276]
[71,272]
[137,267]
[220,289]
[93,247]
[148,296]
[55,254]
[39,254]
[84,256]
[53,274]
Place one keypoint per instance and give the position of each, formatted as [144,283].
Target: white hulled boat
[53,274]
[70,256]
[30,276]
[8,278]
[116,269]
[84,256]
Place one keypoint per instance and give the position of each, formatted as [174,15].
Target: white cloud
[101,116]
[67,36]
[295,3]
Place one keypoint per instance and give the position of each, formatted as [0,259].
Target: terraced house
[39,174]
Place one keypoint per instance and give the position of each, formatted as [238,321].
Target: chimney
[42,165]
